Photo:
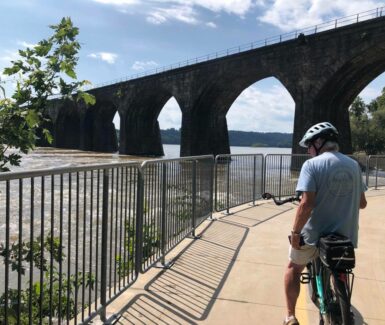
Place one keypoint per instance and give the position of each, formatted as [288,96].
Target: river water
[43,158]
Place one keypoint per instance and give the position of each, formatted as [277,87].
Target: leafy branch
[46,69]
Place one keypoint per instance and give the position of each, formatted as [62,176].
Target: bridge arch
[209,116]
[169,119]
[140,131]
[334,99]
[265,106]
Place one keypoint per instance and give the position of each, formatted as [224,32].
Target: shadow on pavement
[266,212]
[187,291]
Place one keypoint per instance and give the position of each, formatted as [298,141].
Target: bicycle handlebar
[268,196]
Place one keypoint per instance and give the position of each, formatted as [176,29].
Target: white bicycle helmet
[325,130]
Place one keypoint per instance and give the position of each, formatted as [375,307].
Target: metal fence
[177,197]
[238,180]
[282,172]
[241,179]
[375,171]
[73,239]
[67,242]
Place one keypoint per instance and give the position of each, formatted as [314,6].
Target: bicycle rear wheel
[342,292]
[337,294]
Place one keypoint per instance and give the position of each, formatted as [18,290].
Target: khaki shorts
[304,255]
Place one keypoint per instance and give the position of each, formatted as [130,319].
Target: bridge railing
[329,25]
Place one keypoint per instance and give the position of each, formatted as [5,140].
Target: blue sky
[120,38]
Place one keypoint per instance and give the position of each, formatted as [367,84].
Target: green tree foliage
[367,122]
[240,138]
[54,297]
[44,70]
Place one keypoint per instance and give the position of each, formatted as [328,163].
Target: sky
[121,38]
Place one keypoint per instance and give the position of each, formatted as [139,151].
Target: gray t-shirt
[338,184]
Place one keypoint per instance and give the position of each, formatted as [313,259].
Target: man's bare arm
[303,213]
[363,202]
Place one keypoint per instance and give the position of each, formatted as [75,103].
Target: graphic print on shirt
[340,182]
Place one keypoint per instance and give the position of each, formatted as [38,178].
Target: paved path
[234,273]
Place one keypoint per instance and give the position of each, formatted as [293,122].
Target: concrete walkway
[234,273]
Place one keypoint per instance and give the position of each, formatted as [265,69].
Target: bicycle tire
[342,293]
[338,303]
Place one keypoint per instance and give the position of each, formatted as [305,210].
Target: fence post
[263,174]
[194,196]
[228,185]
[254,176]
[213,165]
[367,170]
[164,219]
[280,177]
[216,183]
[139,222]
[376,173]
[103,280]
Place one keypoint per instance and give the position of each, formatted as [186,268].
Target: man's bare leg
[292,286]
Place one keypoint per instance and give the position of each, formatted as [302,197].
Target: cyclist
[332,194]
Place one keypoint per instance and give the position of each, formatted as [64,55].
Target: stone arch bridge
[323,72]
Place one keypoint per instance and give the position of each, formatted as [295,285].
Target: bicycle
[330,287]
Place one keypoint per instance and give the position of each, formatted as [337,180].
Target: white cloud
[292,15]
[9,56]
[118,2]
[25,44]
[156,18]
[255,106]
[237,7]
[185,14]
[211,24]
[144,65]
[108,57]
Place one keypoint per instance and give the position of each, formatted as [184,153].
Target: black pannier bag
[337,252]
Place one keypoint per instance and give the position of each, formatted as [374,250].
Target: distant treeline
[240,138]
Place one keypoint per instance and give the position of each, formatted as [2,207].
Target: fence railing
[375,171]
[177,197]
[238,177]
[73,239]
[238,180]
[62,238]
